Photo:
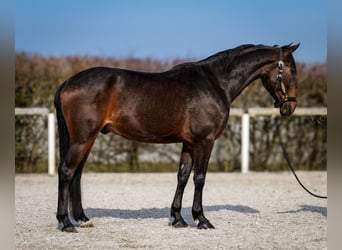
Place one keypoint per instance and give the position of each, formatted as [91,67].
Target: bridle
[279,80]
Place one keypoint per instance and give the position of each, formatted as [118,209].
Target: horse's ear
[289,49]
[294,47]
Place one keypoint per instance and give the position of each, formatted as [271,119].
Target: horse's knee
[184,172]
[199,180]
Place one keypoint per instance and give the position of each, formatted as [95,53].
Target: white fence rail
[245,128]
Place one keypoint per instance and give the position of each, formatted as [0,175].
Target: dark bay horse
[187,104]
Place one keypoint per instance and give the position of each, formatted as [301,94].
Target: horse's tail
[62,126]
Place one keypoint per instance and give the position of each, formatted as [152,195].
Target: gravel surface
[131,211]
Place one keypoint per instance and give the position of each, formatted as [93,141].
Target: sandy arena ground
[131,211]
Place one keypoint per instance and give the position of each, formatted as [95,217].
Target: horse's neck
[243,71]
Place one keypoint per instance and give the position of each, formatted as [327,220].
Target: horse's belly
[143,133]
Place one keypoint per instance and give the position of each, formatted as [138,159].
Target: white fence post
[51,144]
[245,143]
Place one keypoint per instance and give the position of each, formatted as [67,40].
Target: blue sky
[168,29]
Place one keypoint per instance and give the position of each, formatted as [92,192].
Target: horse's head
[281,82]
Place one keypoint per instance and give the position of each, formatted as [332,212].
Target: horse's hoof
[69,229]
[179,224]
[205,225]
[86,224]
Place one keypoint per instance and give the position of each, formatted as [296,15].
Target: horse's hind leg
[184,171]
[66,172]
[75,195]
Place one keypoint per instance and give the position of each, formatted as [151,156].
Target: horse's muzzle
[287,108]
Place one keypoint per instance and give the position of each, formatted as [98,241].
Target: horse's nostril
[285,110]
[288,108]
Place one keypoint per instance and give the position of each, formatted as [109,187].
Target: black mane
[223,58]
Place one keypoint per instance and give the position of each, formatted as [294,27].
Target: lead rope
[290,164]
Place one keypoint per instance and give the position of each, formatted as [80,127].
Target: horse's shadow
[159,213]
[307,208]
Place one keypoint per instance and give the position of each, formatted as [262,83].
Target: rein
[290,164]
[279,103]
[279,80]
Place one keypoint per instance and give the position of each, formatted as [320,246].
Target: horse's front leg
[185,167]
[201,160]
